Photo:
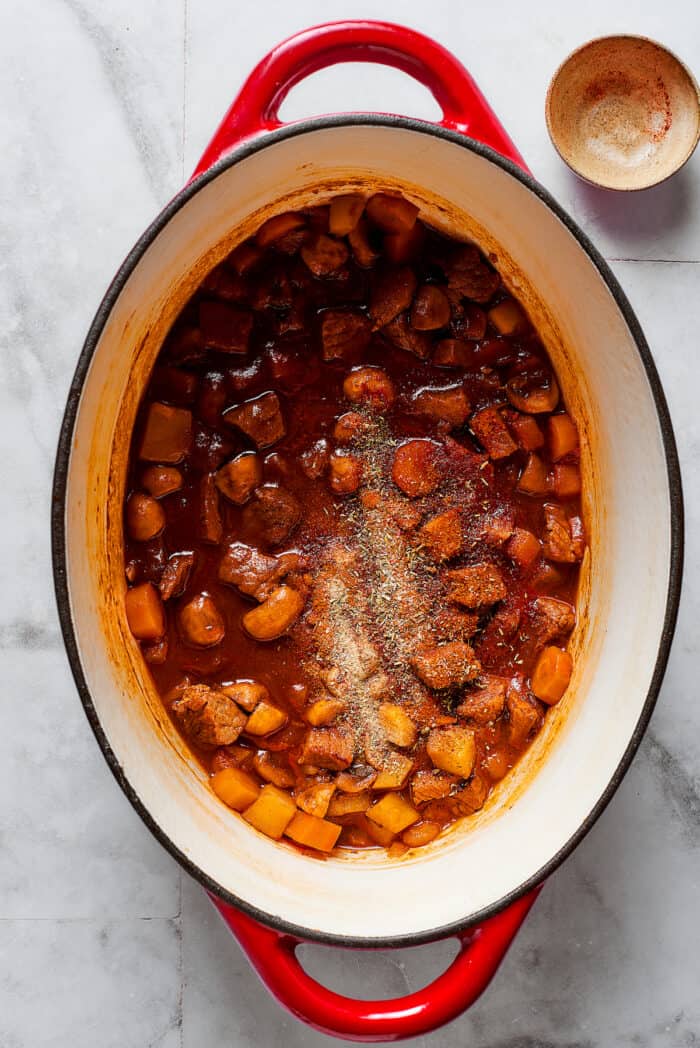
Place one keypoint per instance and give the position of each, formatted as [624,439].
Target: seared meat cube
[492,433]
[485,703]
[273,512]
[402,335]
[279,226]
[175,575]
[223,283]
[558,542]
[225,327]
[393,214]
[445,405]
[453,353]
[208,717]
[476,586]
[211,528]
[324,255]
[524,713]
[273,289]
[431,308]
[472,797]
[441,536]
[550,619]
[254,573]
[446,664]
[328,748]
[392,293]
[451,624]
[259,418]
[499,527]
[314,461]
[343,332]
[430,786]
[237,479]
[469,275]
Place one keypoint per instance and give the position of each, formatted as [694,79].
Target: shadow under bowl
[623,112]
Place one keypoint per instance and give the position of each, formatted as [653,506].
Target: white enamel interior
[628,515]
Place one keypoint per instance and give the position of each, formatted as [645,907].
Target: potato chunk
[324,711]
[508,318]
[398,726]
[446,664]
[476,586]
[370,386]
[452,749]
[235,788]
[201,622]
[324,255]
[393,214]
[265,719]
[345,212]
[442,536]
[144,612]
[395,769]
[168,434]
[259,418]
[349,803]
[237,479]
[414,469]
[272,812]
[562,436]
[313,832]
[393,812]
[275,615]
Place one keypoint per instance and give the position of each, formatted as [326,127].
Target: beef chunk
[451,624]
[324,255]
[225,327]
[254,573]
[559,545]
[445,405]
[485,703]
[550,618]
[211,528]
[343,333]
[224,283]
[328,748]
[469,275]
[441,536]
[524,713]
[273,513]
[175,575]
[477,585]
[446,664]
[492,433]
[260,419]
[392,293]
[402,335]
[208,717]
[430,786]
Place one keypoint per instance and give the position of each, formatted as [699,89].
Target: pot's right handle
[273,956]
[256,108]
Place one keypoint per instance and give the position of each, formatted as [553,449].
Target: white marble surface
[105,108]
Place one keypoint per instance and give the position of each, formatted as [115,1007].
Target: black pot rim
[58,523]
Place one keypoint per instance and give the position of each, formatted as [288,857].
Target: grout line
[666,261]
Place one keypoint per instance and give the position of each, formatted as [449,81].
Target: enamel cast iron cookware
[469,181]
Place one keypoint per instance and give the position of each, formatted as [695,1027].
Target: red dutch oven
[475,883]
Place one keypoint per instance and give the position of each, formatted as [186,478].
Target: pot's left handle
[256,108]
[273,955]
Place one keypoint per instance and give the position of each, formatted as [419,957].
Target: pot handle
[273,956]
[256,107]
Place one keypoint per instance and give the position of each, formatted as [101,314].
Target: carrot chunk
[144,612]
[552,674]
[313,832]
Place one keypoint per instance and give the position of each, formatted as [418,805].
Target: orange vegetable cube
[393,812]
[272,812]
[508,318]
[523,547]
[313,832]
[345,213]
[235,788]
[452,749]
[394,773]
[533,479]
[562,436]
[566,481]
[324,711]
[398,726]
[552,674]
[526,431]
[348,803]
[144,612]
[168,434]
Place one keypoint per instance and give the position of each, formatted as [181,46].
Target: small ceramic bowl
[623,112]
